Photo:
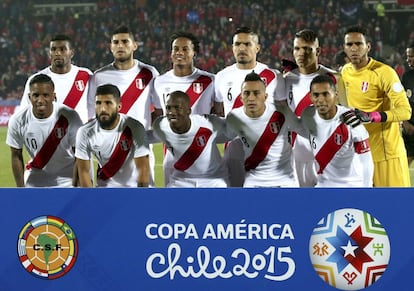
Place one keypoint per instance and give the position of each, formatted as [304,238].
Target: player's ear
[318,51]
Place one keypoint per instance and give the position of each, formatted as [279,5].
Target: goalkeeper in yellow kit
[380,102]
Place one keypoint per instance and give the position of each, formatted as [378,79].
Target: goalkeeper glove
[356,117]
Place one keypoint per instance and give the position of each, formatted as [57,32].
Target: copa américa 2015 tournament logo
[349,249]
[47,247]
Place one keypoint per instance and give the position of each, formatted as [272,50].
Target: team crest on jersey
[349,249]
[339,139]
[125,144]
[60,132]
[274,127]
[364,86]
[198,88]
[80,85]
[264,79]
[140,83]
[201,140]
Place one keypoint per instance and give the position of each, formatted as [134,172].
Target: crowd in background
[24,37]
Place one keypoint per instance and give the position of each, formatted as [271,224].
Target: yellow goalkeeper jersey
[376,87]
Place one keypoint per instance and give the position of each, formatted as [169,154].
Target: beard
[107,123]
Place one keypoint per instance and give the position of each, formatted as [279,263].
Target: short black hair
[182,95]
[109,89]
[41,78]
[243,29]
[123,29]
[248,30]
[307,35]
[319,79]
[188,35]
[253,77]
[63,37]
[357,29]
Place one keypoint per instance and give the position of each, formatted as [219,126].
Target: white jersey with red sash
[71,89]
[199,86]
[267,152]
[136,86]
[49,143]
[195,153]
[297,87]
[114,150]
[228,88]
[342,153]
[229,80]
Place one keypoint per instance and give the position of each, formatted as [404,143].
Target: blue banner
[206,239]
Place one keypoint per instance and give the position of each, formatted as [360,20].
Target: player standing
[305,52]
[228,88]
[184,76]
[71,82]
[134,79]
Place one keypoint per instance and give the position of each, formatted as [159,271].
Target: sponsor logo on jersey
[349,249]
[47,247]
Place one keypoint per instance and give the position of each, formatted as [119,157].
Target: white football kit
[136,87]
[49,143]
[199,86]
[297,92]
[196,159]
[268,157]
[228,88]
[137,93]
[71,89]
[94,140]
[342,153]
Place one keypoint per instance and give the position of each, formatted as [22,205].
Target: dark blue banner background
[110,225]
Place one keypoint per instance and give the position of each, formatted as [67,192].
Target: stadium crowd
[24,37]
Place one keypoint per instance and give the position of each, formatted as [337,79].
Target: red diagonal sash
[331,146]
[265,141]
[305,102]
[118,156]
[50,145]
[197,88]
[78,87]
[135,89]
[267,75]
[194,150]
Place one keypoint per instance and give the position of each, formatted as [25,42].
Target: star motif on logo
[349,249]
